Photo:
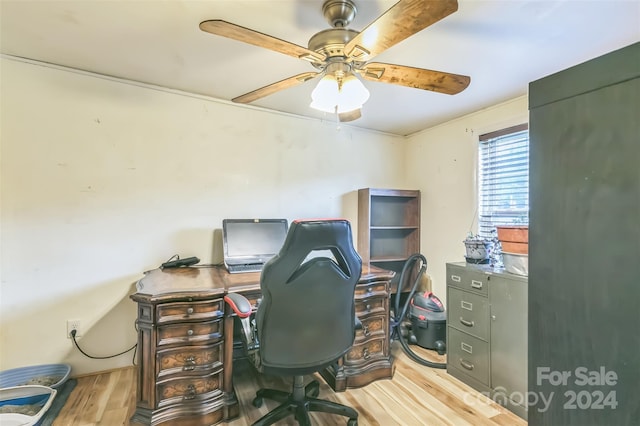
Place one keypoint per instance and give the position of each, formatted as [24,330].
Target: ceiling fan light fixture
[352,95]
[326,93]
[331,95]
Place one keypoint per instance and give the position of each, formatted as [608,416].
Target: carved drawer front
[185,311]
[366,351]
[190,359]
[376,288]
[371,327]
[189,389]
[366,307]
[193,332]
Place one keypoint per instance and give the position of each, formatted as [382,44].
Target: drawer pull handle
[189,311]
[365,353]
[365,331]
[189,332]
[455,278]
[368,308]
[191,393]
[466,364]
[189,364]
[466,305]
[369,290]
[466,347]
[466,323]
[476,284]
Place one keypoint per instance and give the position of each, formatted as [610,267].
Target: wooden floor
[416,395]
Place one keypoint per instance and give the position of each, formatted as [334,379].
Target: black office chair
[306,319]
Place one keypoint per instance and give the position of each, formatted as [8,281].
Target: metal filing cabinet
[487,332]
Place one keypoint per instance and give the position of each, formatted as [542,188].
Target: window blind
[503,179]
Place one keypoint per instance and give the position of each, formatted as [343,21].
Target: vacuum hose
[396,320]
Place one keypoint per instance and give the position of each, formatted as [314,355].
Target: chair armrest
[239,304]
[358,323]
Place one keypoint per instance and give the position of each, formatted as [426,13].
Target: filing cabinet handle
[189,311]
[476,284]
[191,393]
[189,332]
[365,331]
[467,323]
[456,278]
[366,354]
[466,364]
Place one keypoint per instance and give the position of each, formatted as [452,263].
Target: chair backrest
[306,318]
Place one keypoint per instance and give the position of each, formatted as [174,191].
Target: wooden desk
[185,342]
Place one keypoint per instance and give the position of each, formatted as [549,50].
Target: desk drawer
[474,281]
[189,389]
[195,359]
[371,327]
[368,350]
[468,354]
[185,311]
[374,305]
[468,312]
[192,332]
[376,288]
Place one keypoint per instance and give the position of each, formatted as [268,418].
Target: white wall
[103,179]
[442,164]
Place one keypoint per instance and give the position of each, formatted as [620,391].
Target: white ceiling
[501,45]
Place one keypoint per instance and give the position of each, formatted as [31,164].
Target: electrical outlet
[74,324]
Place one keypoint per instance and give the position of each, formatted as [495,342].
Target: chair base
[300,403]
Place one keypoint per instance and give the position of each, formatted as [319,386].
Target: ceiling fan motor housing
[331,42]
[339,13]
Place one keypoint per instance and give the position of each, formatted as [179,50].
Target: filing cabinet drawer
[469,312]
[185,311]
[474,281]
[468,354]
[193,332]
[189,389]
[190,359]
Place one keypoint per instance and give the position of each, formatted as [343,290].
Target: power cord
[73,337]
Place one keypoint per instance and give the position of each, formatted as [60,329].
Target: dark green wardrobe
[584,236]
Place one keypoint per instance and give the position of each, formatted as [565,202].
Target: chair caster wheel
[352,422]
[257,402]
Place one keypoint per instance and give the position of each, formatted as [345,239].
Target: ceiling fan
[339,53]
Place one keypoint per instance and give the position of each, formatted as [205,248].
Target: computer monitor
[252,241]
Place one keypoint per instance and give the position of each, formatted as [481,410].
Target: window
[503,179]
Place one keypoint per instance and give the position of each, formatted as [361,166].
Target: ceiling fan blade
[275,87]
[418,78]
[236,32]
[350,116]
[401,21]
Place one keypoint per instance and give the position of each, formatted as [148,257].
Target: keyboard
[234,269]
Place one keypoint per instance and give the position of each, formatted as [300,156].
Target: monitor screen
[253,237]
